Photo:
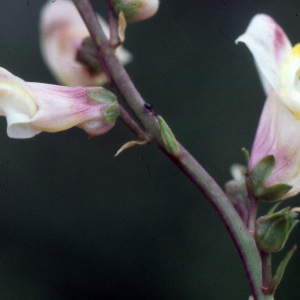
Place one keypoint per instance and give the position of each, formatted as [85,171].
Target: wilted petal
[277,135]
[270,47]
[62,33]
[34,107]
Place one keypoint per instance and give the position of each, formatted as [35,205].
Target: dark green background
[77,223]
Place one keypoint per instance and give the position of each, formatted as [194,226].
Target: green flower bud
[273,230]
[136,10]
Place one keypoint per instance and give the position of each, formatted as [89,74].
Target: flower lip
[269,46]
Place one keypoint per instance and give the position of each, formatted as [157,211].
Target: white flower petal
[17,104]
[270,47]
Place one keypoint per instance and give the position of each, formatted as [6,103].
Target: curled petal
[276,135]
[34,107]
[18,104]
[62,33]
[270,47]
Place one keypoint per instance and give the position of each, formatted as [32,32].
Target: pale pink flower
[62,32]
[34,107]
[278,132]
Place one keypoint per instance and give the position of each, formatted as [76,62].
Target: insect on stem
[149,106]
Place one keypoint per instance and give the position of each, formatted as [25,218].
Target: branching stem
[238,231]
[135,128]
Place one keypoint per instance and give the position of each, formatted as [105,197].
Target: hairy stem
[243,241]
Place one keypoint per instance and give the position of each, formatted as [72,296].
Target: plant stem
[243,241]
[266,259]
[113,26]
[135,128]
[253,207]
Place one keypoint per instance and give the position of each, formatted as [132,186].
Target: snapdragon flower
[62,33]
[34,107]
[278,132]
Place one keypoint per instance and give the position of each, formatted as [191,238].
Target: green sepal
[112,113]
[281,269]
[273,192]
[272,231]
[131,9]
[273,208]
[101,95]
[168,137]
[246,154]
[261,172]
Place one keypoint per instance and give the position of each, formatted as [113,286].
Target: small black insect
[149,106]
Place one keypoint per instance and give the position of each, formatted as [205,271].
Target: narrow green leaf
[168,137]
[246,154]
[281,269]
[273,208]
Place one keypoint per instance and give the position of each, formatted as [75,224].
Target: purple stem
[135,128]
[253,207]
[266,259]
[113,27]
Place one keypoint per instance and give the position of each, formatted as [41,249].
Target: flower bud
[136,10]
[62,32]
[273,230]
[34,107]
[235,190]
